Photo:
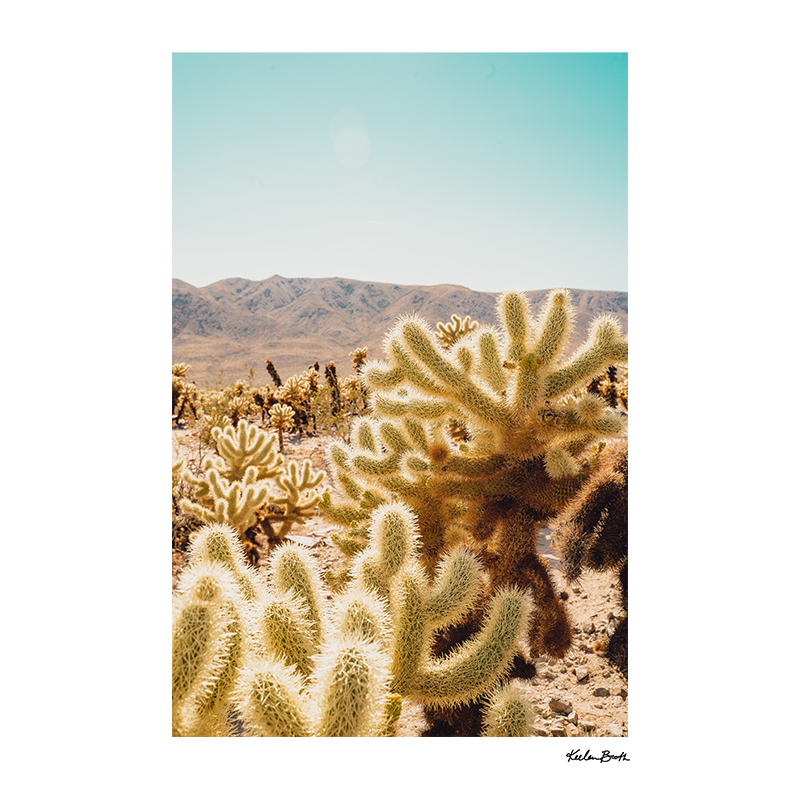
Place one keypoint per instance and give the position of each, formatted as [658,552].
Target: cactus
[208,645]
[524,434]
[286,662]
[273,373]
[281,417]
[272,655]
[185,402]
[420,608]
[592,533]
[248,487]
[508,712]
[448,333]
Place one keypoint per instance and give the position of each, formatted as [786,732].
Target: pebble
[572,717]
[617,701]
[560,706]
[581,673]
[588,627]
[601,691]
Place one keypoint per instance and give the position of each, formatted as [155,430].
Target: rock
[572,717]
[617,701]
[588,725]
[560,706]
[588,627]
[615,730]
[601,691]
[620,690]
[558,730]
[581,673]
[539,729]
[564,595]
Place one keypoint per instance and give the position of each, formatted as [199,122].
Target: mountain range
[297,321]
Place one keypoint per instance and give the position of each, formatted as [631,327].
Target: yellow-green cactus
[248,487]
[524,444]
[508,712]
[281,417]
[208,647]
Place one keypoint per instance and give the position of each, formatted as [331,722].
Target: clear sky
[488,170]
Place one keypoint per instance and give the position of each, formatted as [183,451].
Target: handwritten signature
[576,755]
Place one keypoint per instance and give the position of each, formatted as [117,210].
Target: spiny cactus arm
[246,446]
[605,347]
[361,613]
[364,435]
[417,406]
[456,589]
[292,568]
[235,503]
[474,400]
[475,666]
[341,513]
[592,531]
[509,712]
[200,489]
[412,635]
[490,365]
[219,543]
[177,471]
[268,697]
[349,690]
[514,311]
[284,630]
[395,542]
[208,646]
[376,467]
[295,507]
[554,327]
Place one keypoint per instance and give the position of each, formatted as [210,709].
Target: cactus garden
[431,541]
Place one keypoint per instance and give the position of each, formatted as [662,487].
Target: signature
[576,755]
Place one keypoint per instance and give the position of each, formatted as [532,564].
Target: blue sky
[492,171]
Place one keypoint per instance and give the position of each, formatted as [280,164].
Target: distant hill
[297,321]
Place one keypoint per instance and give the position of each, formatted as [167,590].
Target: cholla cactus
[270,653]
[247,486]
[522,454]
[273,373]
[592,533]
[421,607]
[450,332]
[185,402]
[208,643]
[359,356]
[289,663]
[281,417]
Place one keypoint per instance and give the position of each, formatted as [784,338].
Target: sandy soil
[582,694]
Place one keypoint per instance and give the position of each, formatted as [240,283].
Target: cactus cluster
[247,486]
[278,659]
[185,401]
[486,434]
